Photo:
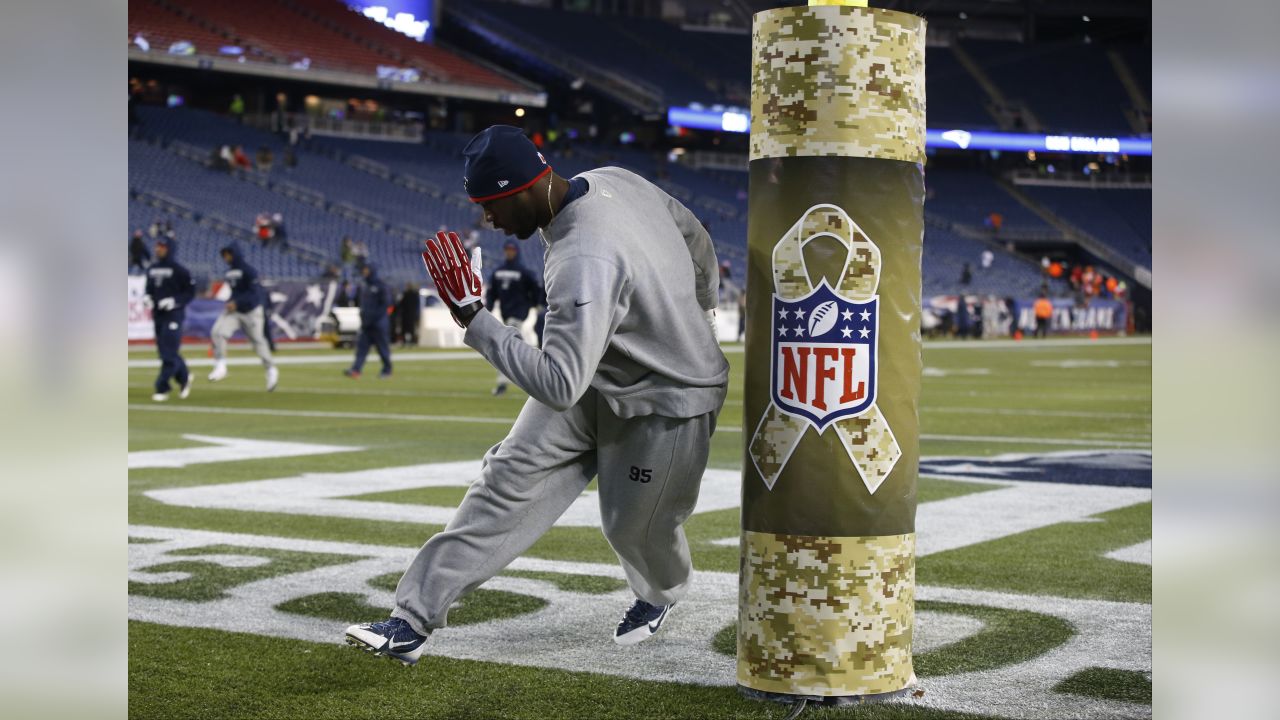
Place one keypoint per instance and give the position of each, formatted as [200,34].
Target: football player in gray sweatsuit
[627,386]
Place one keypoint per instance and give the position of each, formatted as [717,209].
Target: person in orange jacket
[1044,311]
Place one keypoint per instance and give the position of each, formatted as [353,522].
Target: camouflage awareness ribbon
[865,437]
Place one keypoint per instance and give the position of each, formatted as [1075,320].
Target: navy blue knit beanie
[501,161]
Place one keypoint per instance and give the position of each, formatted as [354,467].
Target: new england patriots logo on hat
[824,356]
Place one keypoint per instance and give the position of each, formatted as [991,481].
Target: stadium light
[739,120]
[401,22]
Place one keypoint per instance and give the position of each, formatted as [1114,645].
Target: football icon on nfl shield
[822,319]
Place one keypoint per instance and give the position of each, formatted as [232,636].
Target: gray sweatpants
[251,323]
[650,470]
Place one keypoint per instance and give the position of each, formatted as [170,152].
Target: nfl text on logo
[824,356]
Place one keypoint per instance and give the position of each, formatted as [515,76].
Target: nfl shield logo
[824,356]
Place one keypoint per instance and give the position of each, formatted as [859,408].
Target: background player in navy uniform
[375,323]
[243,312]
[409,313]
[169,289]
[628,386]
[515,290]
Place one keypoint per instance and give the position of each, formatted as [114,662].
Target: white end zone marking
[1017,507]
[225,449]
[1140,554]
[325,494]
[572,632]
[979,517]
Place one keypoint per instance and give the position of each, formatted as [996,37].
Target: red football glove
[457,280]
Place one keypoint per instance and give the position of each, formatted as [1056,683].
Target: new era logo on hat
[500,161]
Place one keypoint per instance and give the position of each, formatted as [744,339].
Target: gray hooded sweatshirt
[629,273]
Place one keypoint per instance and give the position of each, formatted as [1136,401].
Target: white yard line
[321,414]
[1037,413]
[507,421]
[1032,440]
[368,389]
[1032,344]
[283,358]
[326,359]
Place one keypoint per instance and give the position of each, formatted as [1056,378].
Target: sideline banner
[140,325]
[833,364]
[1104,316]
[296,310]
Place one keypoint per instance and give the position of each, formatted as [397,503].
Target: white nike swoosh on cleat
[391,645]
[653,626]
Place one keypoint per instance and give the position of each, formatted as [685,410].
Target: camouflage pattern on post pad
[837,81]
[832,357]
[840,624]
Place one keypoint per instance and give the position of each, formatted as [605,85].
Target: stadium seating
[632,47]
[946,252]
[969,196]
[1139,61]
[325,32]
[1070,87]
[326,197]
[436,62]
[319,199]
[199,246]
[1118,218]
[161,25]
[955,99]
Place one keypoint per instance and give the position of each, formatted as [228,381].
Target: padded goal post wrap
[833,364]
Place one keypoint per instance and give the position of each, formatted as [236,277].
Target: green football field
[262,524]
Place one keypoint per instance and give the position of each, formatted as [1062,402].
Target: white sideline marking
[366,391]
[508,421]
[1032,441]
[1047,344]
[735,348]
[224,449]
[361,389]
[1034,413]
[573,631]
[326,494]
[930,371]
[1078,363]
[322,414]
[1140,553]
[327,359]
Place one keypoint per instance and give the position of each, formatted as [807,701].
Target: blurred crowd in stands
[1086,282]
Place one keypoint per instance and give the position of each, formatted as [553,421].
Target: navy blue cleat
[392,637]
[640,622]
